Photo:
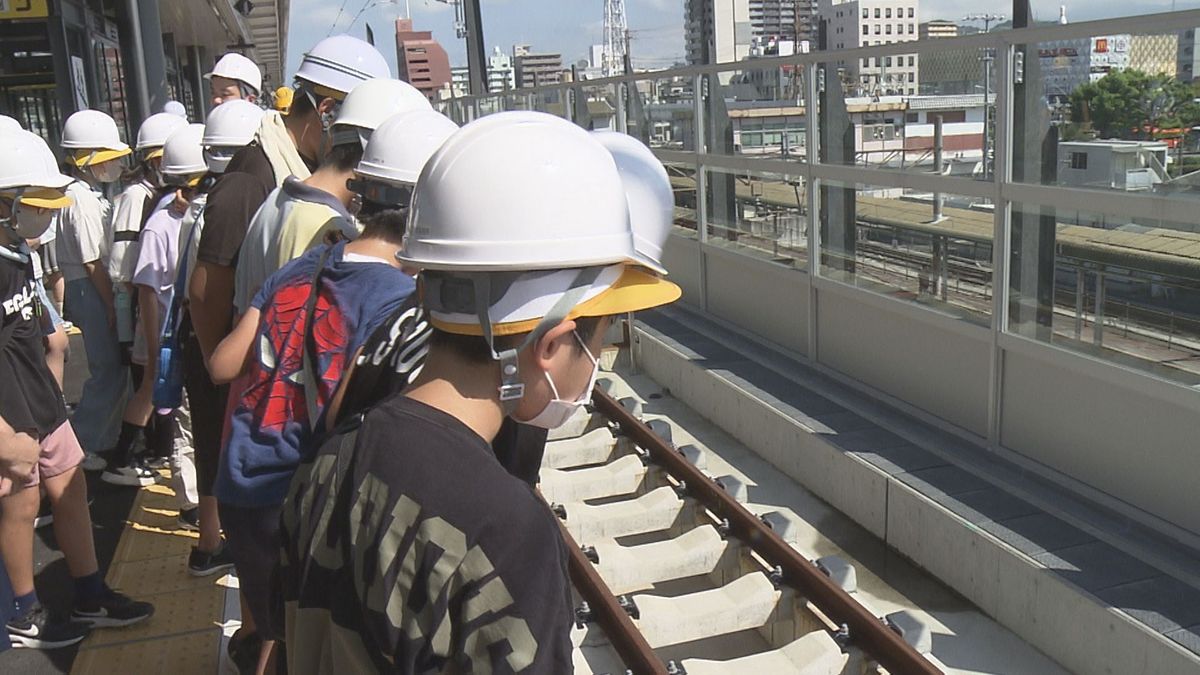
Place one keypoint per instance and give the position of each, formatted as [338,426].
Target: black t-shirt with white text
[30,399]
[407,548]
[392,357]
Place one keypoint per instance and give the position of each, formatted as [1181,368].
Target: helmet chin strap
[512,390]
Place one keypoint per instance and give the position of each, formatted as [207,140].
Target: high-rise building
[1187,63]
[858,23]
[421,60]
[719,31]
[500,74]
[806,26]
[534,69]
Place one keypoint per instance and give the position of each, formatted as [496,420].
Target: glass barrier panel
[1109,286]
[667,112]
[929,249]
[683,185]
[763,215]
[759,112]
[1113,112]
[932,112]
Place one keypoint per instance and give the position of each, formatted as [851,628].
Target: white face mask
[107,172]
[558,411]
[31,223]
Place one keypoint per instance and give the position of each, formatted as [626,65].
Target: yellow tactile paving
[190,654]
[150,563]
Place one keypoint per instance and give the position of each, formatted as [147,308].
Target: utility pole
[469,24]
[988,57]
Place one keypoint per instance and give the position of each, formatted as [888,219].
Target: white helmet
[374,101]
[648,192]
[9,123]
[230,126]
[175,108]
[29,176]
[183,153]
[338,64]
[401,146]
[94,137]
[520,222]
[155,131]
[234,66]
[519,191]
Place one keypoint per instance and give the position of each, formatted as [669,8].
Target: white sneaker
[134,475]
[93,462]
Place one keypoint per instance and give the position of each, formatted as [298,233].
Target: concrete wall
[942,370]
[765,298]
[1121,440]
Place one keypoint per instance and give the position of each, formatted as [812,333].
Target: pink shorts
[61,452]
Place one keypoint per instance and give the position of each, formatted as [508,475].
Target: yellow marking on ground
[150,563]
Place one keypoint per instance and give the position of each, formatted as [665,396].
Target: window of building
[865,29]
[912,118]
[866,13]
[912,29]
[912,77]
[888,29]
[1079,161]
[876,12]
[912,61]
[910,12]
[887,13]
[911,91]
[887,62]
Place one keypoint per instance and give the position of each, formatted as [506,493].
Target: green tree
[1128,103]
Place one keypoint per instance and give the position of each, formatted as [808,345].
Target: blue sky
[571,26]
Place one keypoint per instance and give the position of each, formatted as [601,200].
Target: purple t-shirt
[269,429]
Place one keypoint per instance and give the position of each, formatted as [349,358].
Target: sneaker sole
[209,571]
[127,482]
[108,621]
[25,642]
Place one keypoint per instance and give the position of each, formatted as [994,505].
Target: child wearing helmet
[519,285]
[300,215]
[95,153]
[31,191]
[233,78]
[362,292]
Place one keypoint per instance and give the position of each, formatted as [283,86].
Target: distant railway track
[681,577]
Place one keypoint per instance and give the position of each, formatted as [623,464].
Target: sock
[26,602]
[123,452]
[89,588]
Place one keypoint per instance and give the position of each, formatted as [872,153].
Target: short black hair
[474,349]
[383,223]
[301,104]
[344,157]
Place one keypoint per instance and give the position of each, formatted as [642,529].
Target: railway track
[674,574]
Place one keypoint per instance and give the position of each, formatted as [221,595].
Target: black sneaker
[189,519]
[243,650]
[36,631]
[202,564]
[135,474]
[111,610]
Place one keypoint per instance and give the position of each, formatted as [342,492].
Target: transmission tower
[616,37]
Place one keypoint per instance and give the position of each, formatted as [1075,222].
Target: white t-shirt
[82,235]
[156,268]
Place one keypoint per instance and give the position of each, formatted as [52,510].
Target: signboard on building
[24,9]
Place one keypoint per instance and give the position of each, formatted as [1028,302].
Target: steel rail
[625,637]
[866,629]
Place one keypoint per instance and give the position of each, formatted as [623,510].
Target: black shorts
[252,535]
[207,401]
